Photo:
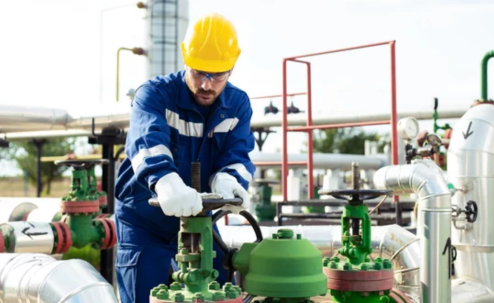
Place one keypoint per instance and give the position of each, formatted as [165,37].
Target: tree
[25,154]
[345,140]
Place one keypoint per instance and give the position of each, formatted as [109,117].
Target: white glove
[176,198]
[227,186]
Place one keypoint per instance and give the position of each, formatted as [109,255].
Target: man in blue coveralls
[194,115]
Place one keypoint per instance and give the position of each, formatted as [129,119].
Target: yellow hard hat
[211,44]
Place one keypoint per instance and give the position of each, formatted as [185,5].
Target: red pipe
[284,125]
[337,50]
[394,116]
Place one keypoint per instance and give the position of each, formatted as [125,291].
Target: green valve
[282,267]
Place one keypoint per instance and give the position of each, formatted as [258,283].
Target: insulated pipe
[37,120]
[28,237]
[38,278]
[470,162]
[426,179]
[483,79]
[392,242]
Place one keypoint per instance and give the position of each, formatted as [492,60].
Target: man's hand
[176,198]
[227,186]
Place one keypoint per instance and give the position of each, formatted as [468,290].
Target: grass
[16,187]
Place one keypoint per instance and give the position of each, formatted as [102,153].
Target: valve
[356,278]
[265,210]
[471,212]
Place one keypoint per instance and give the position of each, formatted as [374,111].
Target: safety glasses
[213,77]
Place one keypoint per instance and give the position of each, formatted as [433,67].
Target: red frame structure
[309,127]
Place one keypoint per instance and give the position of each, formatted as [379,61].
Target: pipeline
[483,76]
[470,155]
[392,242]
[434,221]
[38,278]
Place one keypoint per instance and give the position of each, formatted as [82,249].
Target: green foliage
[24,153]
[345,141]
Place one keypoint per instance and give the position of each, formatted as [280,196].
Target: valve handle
[471,211]
[356,195]
[209,202]
[81,164]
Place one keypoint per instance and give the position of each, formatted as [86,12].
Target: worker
[194,115]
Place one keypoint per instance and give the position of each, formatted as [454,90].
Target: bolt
[154,291]
[335,259]
[364,266]
[299,236]
[162,286]
[386,264]
[377,260]
[377,266]
[175,286]
[333,265]
[231,294]
[162,294]
[347,266]
[214,286]
[285,233]
[179,297]
[238,290]
[325,261]
[218,296]
[227,286]
[198,298]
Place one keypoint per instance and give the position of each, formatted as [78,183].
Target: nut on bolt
[214,286]
[175,286]
[154,291]
[162,294]
[347,266]
[218,296]
[179,297]
[325,261]
[386,264]
[198,298]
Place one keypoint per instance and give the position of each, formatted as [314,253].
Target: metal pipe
[19,122]
[28,237]
[483,76]
[470,158]
[135,51]
[322,161]
[38,278]
[392,242]
[14,210]
[426,179]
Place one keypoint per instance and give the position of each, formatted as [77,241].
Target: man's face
[205,87]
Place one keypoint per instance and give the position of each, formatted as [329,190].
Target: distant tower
[167,25]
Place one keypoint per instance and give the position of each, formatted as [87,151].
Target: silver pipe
[392,242]
[470,162]
[426,179]
[38,278]
[28,119]
[323,161]
[28,237]
[14,211]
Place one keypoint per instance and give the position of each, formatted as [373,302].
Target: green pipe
[484,75]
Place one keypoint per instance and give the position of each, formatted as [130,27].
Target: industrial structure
[416,229]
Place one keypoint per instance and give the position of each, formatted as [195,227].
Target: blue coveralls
[167,132]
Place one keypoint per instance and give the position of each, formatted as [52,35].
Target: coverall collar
[187,102]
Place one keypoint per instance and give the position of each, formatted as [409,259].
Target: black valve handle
[229,252]
[208,204]
[353,195]
[471,211]
[81,164]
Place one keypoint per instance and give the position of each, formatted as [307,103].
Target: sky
[63,53]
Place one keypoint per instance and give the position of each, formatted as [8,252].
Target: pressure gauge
[408,128]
